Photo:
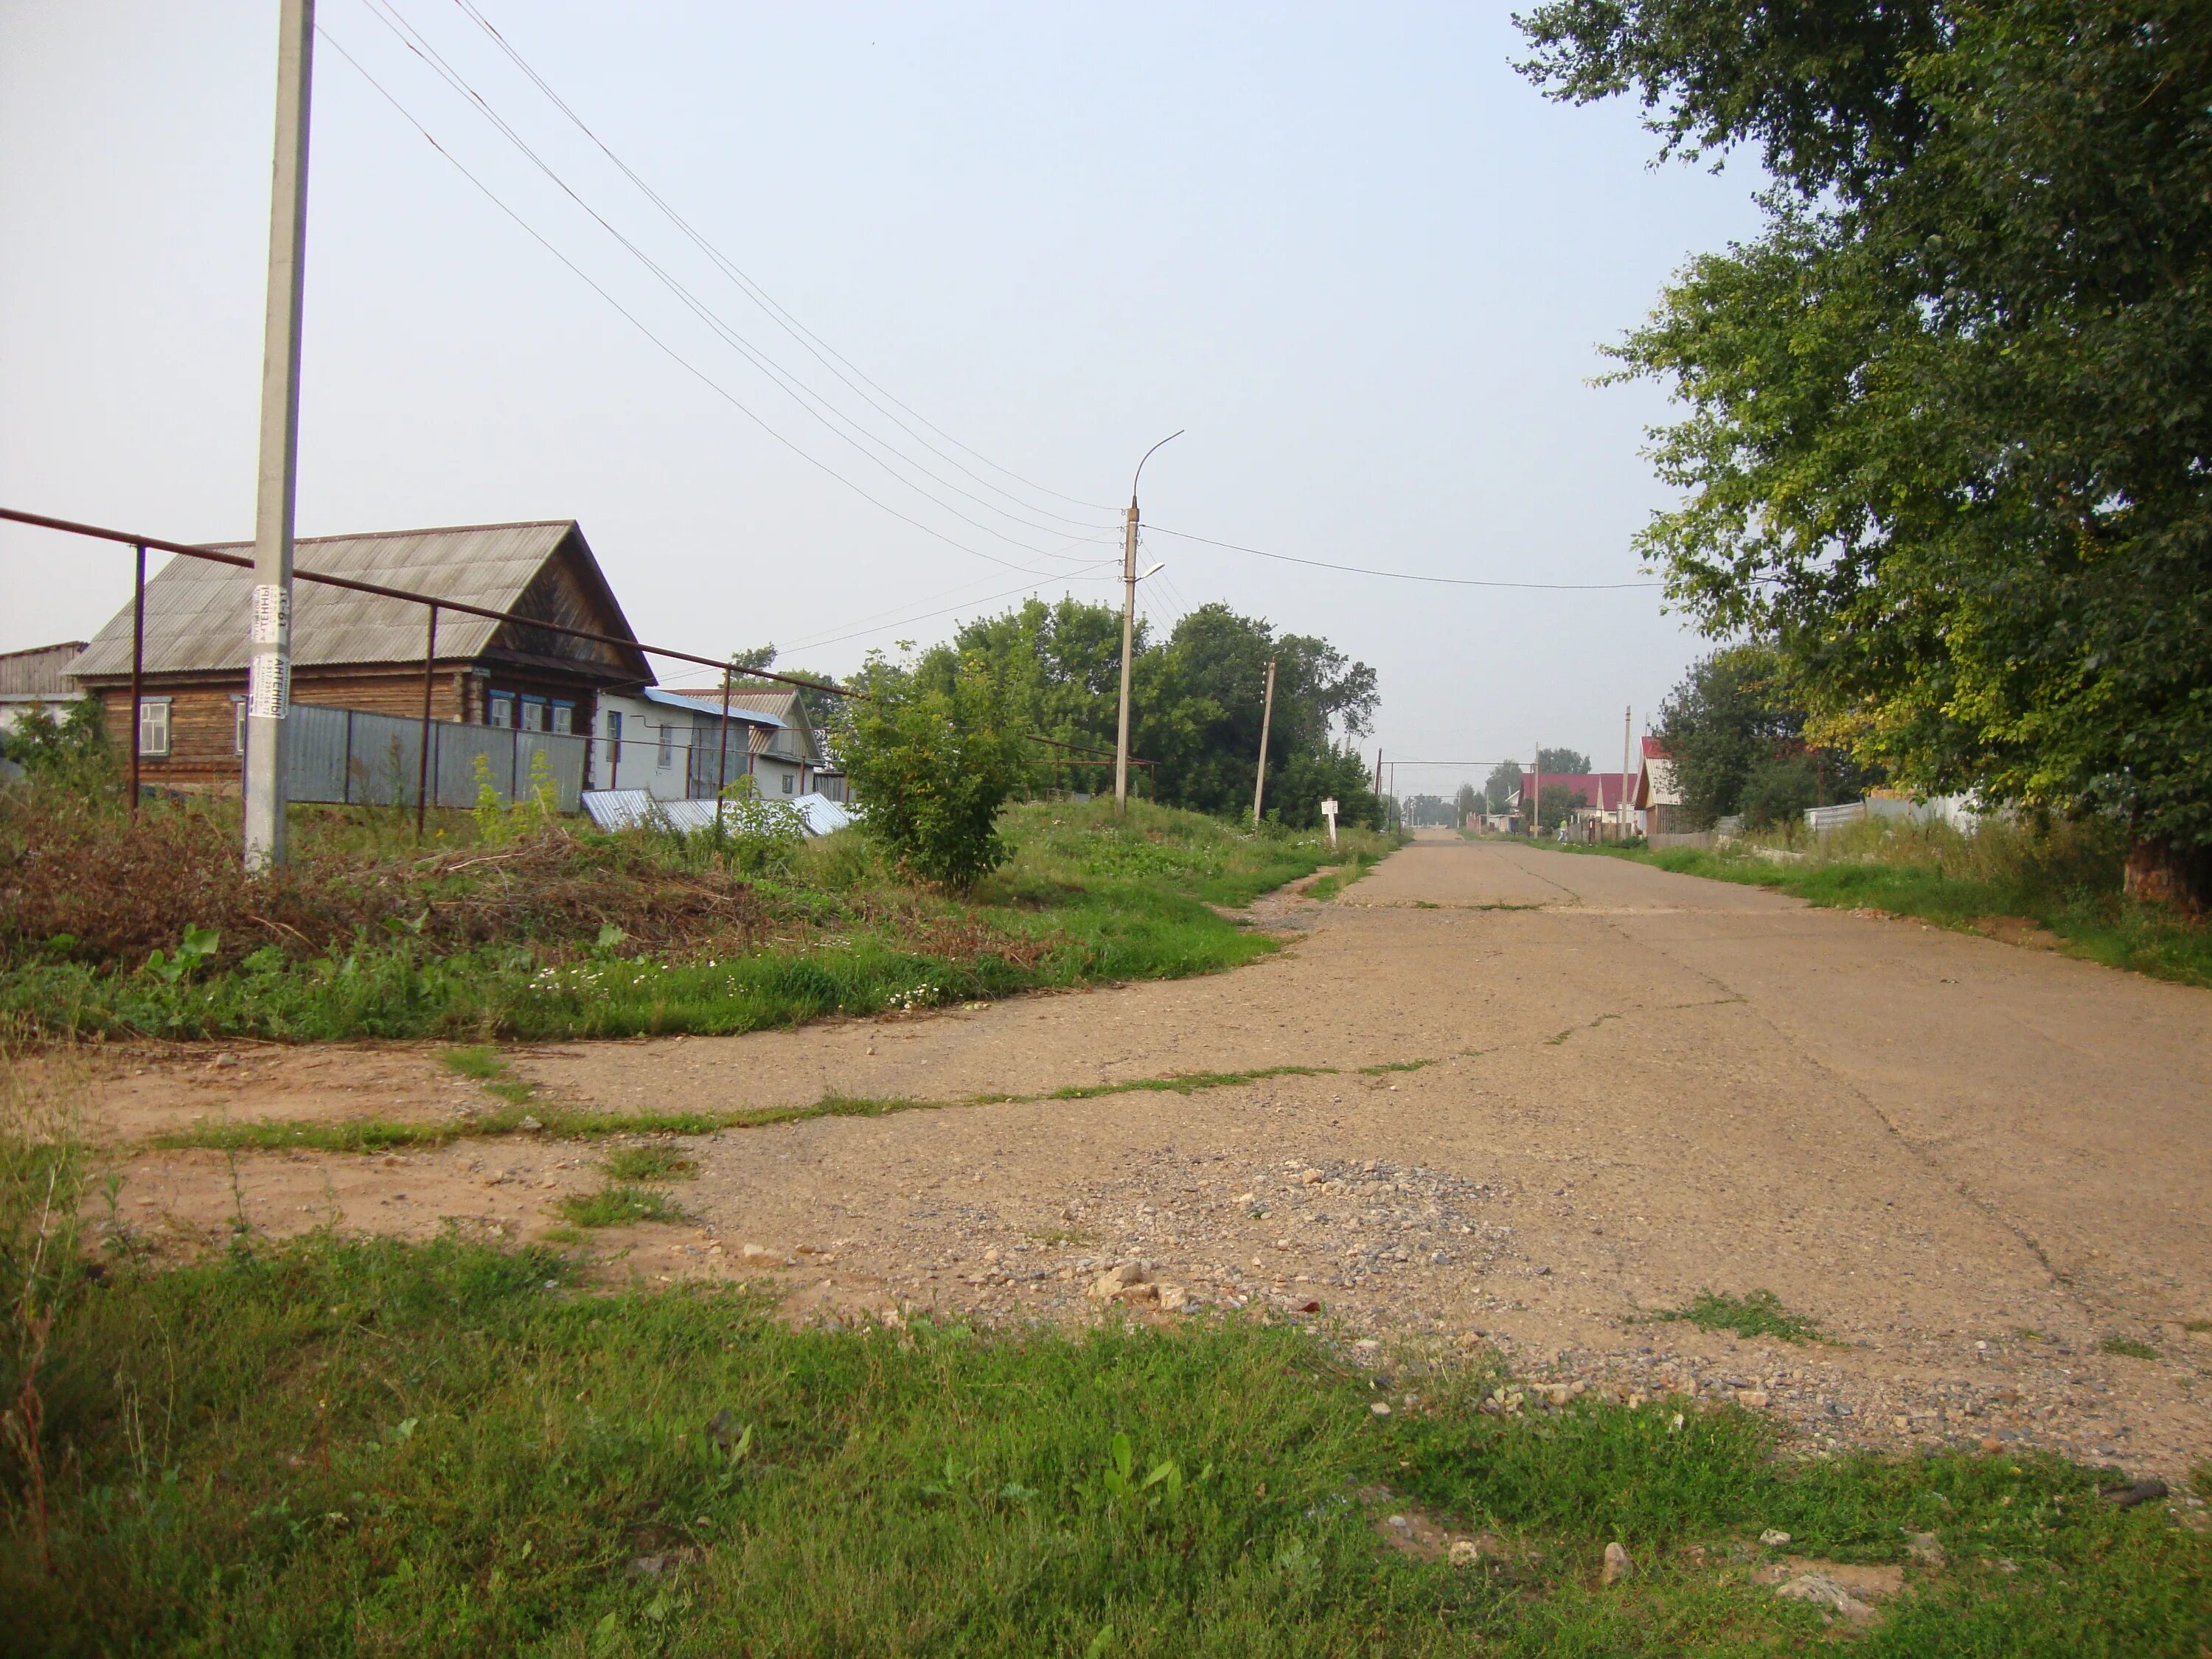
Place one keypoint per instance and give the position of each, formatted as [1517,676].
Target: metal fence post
[722,755]
[423,761]
[137,669]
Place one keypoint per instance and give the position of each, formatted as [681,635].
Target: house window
[500,711]
[564,718]
[153,726]
[237,726]
[533,713]
[787,783]
[666,757]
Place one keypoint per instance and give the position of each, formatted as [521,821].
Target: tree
[1498,789]
[1466,803]
[1559,761]
[1556,804]
[1197,701]
[1736,731]
[1947,440]
[71,753]
[933,756]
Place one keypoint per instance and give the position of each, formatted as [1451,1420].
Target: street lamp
[1129,580]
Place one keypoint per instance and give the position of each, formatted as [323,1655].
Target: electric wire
[1400,575]
[831,636]
[674,355]
[813,343]
[885,628]
[821,411]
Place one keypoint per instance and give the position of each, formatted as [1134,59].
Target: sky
[987,255]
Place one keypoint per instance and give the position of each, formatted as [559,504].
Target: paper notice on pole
[1328,811]
[272,615]
[269,686]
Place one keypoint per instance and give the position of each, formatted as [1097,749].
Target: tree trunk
[2178,877]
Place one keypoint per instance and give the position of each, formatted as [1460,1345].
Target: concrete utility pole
[1266,718]
[1627,725]
[1128,630]
[269,683]
[1536,794]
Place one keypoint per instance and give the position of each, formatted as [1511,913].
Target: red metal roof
[1600,789]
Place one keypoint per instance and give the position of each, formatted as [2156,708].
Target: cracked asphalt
[1554,1096]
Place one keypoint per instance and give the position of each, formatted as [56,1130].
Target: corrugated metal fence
[349,756]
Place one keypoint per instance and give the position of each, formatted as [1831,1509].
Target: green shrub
[933,758]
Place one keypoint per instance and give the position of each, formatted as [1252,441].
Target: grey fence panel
[351,755]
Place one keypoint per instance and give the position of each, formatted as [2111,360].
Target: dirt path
[1971,1164]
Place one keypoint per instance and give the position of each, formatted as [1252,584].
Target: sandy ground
[1970,1163]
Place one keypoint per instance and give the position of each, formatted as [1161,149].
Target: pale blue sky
[1356,256]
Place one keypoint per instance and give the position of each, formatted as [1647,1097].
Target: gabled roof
[1603,789]
[1653,749]
[709,702]
[197,611]
[785,705]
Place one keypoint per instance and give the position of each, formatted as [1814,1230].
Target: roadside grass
[565,933]
[376,1134]
[2127,1347]
[1757,1313]
[2065,879]
[1330,885]
[651,1162]
[329,1446]
[620,1204]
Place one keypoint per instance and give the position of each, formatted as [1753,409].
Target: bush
[933,757]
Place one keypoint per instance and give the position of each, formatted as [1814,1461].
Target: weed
[481,1063]
[2127,1348]
[651,1163]
[2064,880]
[1758,1314]
[620,1204]
[1389,1066]
[452,1448]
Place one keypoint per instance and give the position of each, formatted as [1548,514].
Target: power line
[885,628]
[674,355]
[1398,575]
[814,344]
[823,412]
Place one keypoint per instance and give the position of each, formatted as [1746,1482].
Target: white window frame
[561,718]
[237,726]
[495,704]
[665,757]
[532,706]
[154,714]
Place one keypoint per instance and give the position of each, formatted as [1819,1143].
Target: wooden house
[365,652]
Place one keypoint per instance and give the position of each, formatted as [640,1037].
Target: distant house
[791,759]
[362,652]
[1658,797]
[38,678]
[663,743]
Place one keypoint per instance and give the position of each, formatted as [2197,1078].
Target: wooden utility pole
[1266,718]
[269,681]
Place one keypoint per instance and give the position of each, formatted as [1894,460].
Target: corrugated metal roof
[197,611]
[629,809]
[710,702]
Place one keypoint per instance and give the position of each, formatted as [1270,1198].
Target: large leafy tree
[1949,430]
[1197,700]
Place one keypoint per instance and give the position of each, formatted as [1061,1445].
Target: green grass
[1759,1313]
[340,1448]
[2065,880]
[2127,1348]
[1335,882]
[375,1134]
[651,1163]
[1085,899]
[620,1204]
